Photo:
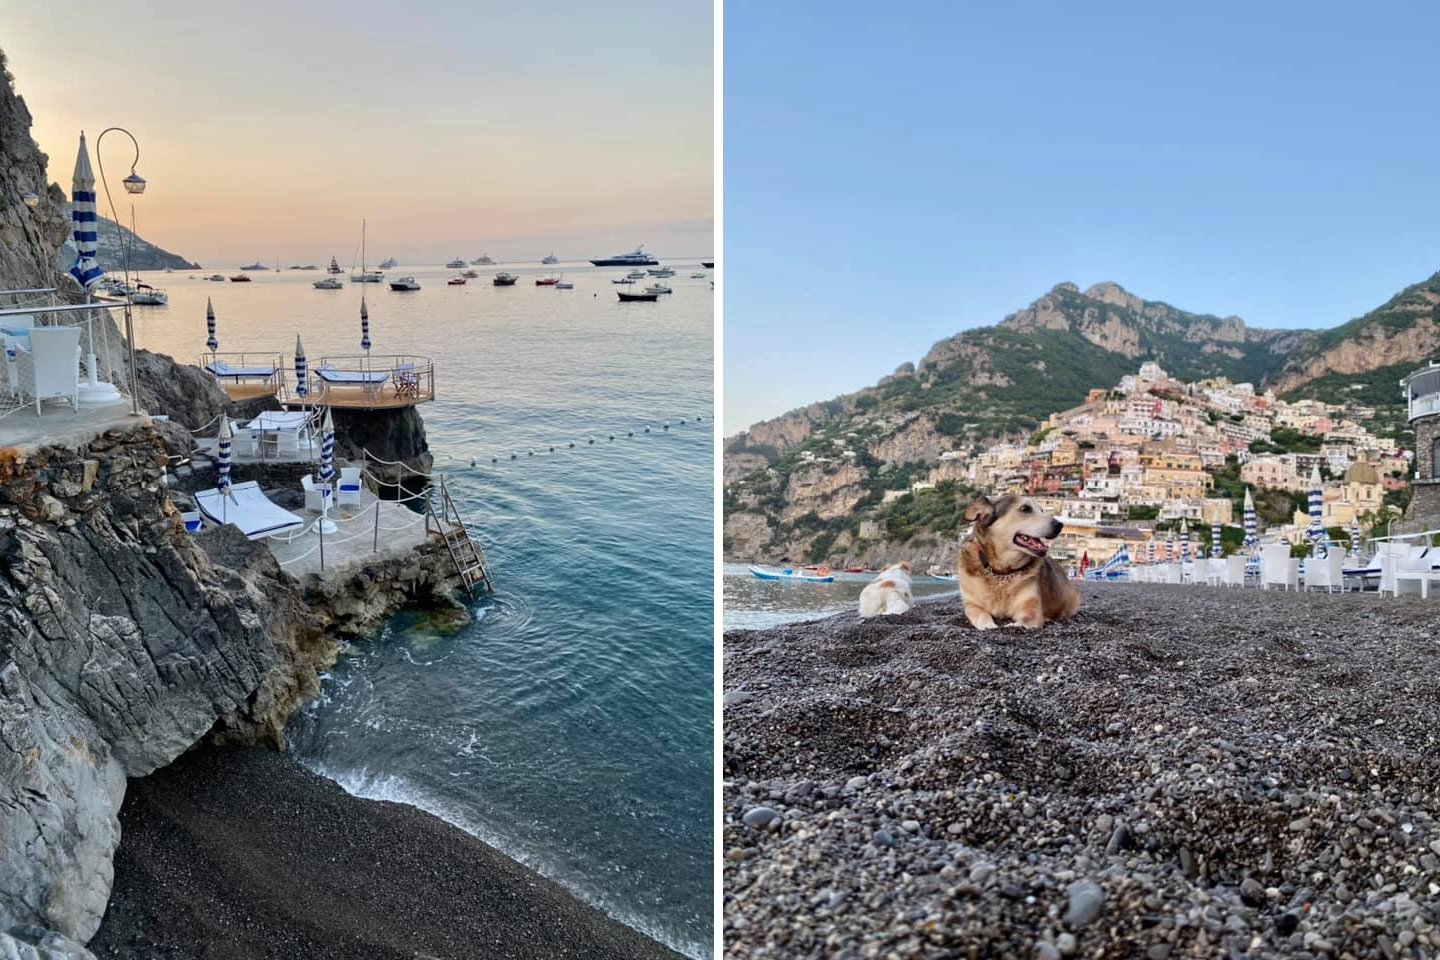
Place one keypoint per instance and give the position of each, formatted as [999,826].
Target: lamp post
[134,185]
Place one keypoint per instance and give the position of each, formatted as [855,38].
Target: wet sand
[235,854]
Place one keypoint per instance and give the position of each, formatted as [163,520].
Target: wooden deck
[357,398]
[247,391]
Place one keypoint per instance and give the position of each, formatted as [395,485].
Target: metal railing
[391,380]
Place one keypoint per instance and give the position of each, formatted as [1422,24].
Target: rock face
[123,641]
[397,436]
[28,237]
[1162,776]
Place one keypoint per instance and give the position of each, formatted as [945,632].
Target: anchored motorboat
[455,282]
[628,296]
[503,279]
[457,264]
[405,283]
[329,283]
[635,258]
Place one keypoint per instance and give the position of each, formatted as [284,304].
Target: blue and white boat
[790,573]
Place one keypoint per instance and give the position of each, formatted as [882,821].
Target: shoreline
[240,853]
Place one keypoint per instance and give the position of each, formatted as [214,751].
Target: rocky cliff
[141,253]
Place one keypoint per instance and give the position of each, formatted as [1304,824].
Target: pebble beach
[1178,772]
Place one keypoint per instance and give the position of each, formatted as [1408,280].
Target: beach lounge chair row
[1396,568]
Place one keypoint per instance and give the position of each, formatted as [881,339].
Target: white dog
[888,593]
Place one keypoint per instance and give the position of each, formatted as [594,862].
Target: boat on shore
[329,283]
[635,258]
[405,283]
[628,296]
[503,279]
[802,575]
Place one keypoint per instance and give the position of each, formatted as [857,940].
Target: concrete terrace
[60,425]
[372,530]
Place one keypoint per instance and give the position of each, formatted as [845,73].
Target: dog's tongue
[1032,544]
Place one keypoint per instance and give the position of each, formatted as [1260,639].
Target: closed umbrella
[1215,548]
[1252,538]
[222,460]
[327,471]
[1184,540]
[1316,530]
[210,340]
[364,328]
[1170,545]
[1150,550]
[301,388]
[86,270]
[1355,536]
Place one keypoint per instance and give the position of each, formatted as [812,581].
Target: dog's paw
[984,623]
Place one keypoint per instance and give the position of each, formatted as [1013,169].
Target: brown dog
[1004,569]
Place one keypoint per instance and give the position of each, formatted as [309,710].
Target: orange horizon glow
[271,132]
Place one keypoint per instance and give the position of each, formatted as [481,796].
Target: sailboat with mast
[365,276]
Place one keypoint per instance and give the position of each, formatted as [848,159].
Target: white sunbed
[247,507]
[222,369]
[364,377]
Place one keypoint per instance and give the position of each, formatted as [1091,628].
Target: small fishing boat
[455,282]
[148,296]
[551,259]
[503,279]
[698,275]
[627,296]
[790,573]
[329,283]
[405,283]
[545,281]
[658,288]
[240,278]
[661,272]
[636,274]
[456,264]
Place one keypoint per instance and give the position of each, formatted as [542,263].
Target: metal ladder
[463,552]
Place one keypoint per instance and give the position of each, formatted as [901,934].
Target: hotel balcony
[1422,392]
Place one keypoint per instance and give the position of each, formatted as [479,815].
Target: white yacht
[484,261]
[636,274]
[457,264]
[365,276]
[661,272]
[389,263]
[551,259]
[334,267]
[145,295]
[329,283]
[635,258]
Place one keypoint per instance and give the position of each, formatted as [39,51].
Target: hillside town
[1148,453]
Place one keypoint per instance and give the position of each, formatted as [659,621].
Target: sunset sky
[269,129]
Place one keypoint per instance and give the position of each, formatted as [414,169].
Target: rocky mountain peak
[1115,295]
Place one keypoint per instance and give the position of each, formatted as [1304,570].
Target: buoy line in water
[590,441]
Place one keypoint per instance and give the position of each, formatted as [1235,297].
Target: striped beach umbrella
[1216,550]
[1316,530]
[86,270]
[327,449]
[364,327]
[210,340]
[1252,538]
[222,456]
[1150,550]
[301,389]
[1184,540]
[1170,545]
[1354,536]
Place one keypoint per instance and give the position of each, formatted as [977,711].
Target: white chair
[288,442]
[1278,567]
[348,490]
[1325,572]
[1416,568]
[51,367]
[1233,572]
[16,333]
[1200,571]
[315,493]
[1391,556]
[1170,573]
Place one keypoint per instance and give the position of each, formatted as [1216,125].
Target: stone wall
[1425,495]
[123,641]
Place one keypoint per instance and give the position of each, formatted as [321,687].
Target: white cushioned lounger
[248,508]
[222,369]
[331,375]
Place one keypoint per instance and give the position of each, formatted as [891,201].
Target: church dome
[1362,471]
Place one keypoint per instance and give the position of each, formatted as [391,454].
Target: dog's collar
[998,574]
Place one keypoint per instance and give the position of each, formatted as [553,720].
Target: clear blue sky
[895,173]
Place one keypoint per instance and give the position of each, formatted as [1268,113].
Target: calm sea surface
[570,725]
[753,604]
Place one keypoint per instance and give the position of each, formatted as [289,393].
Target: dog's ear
[981,512]
[905,565]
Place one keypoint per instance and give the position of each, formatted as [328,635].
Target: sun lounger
[362,377]
[247,507]
[223,370]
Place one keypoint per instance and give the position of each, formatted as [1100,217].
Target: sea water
[751,603]
[570,724]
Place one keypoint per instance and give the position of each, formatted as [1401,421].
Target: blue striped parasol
[1316,530]
[327,449]
[1216,550]
[301,390]
[364,327]
[1184,540]
[1150,550]
[1170,545]
[1355,536]
[85,271]
[222,456]
[210,340]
